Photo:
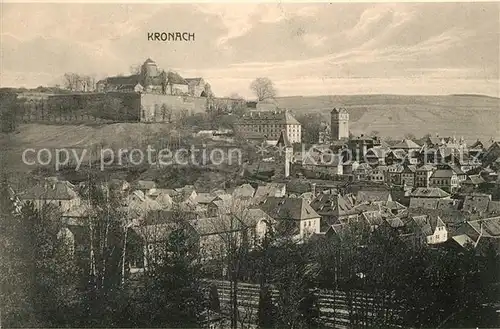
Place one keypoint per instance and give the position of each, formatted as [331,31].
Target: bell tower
[284,155]
[339,124]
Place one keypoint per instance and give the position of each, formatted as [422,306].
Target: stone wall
[167,108]
[111,106]
[123,107]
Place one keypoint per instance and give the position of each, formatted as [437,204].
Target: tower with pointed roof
[284,154]
[339,124]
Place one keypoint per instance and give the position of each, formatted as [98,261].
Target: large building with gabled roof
[269,125]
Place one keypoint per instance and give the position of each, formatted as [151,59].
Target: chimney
[313,189]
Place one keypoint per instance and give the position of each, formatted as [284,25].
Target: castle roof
[131,80]
[193,81]
[175,78]
[149,61]
[429,192]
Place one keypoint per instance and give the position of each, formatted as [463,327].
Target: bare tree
[71,81]
[208,90]
[135,69]
[78,82]
[235,96]
[263,88]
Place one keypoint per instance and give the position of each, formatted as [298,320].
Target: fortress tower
[339,124]
[149,68]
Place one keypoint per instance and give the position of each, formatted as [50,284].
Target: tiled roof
[462,239]
[409,169]
[242,191]
[429,192]
[372,195]
[436,221]
[426,167]
[395,222]
[204,198]
[406,144]
[422,222]
[448,204]
[494,207]
[476,202]
[251,216]
[283,140]
[130,80]
[443,173]
[193,81]
[333,204]
[490,227]
[288,208]
[269,117]
[270,189]
[60,190]
[338,229]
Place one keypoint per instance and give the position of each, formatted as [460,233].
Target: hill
[470,116]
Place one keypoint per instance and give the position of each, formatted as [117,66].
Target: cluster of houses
[297,208]
[436,163]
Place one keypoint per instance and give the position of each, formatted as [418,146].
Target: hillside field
[471,116]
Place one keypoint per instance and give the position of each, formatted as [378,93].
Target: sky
[305,49]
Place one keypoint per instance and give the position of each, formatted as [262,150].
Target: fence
[338,309]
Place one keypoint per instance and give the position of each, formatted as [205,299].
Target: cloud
[238,42]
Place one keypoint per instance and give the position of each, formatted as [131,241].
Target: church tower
[284,155]
[339,124]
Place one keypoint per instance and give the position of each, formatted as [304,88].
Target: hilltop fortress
[151,95]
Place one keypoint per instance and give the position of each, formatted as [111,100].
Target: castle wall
[112,106]
[165,108]
[81,107]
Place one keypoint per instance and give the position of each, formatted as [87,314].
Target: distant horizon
[305,49]
[463,94]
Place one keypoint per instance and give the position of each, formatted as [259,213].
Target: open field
[394,115]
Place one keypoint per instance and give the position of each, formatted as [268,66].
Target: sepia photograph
[273,165]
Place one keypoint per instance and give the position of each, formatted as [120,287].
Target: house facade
[269,125]
[52,192]
[423,175]
[445,179]
[294,216]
